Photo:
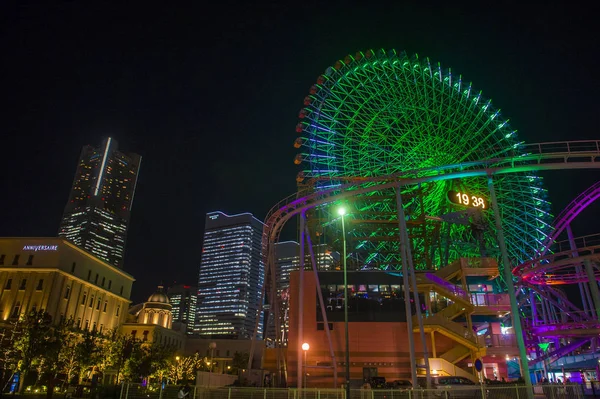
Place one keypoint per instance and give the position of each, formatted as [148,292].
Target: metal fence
[574,391]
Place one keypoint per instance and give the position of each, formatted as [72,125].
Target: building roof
[159,296]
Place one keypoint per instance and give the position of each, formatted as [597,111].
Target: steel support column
[323,309]
[589,269]
[300,304]
[508,277]
[406,286]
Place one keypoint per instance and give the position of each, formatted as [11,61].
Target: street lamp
[177,370]
[305,348]
[342,213]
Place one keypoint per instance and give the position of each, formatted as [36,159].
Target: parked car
[452,387]
[400,384]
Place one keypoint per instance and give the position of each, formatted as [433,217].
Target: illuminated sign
[213,217]
[466,199]
[40,248]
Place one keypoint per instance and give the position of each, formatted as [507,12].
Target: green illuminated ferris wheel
[379,113]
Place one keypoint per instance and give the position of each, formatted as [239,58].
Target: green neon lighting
[544,346]
[393,113]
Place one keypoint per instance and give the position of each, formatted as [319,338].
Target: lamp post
[342,213]
[305,348]
[177,370]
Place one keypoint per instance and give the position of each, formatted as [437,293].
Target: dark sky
[209,96]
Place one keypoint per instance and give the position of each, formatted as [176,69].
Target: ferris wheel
[380,113]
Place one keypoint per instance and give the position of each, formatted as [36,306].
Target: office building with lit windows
[287,260]
[231,277]
[64,280]
[96,217]
[183,300]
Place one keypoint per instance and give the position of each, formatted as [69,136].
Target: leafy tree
[9,356]
[157,357]
[68,356]
[39,345]
[117,349]
[185,368]
[34,332]
[239,362]
[88,351]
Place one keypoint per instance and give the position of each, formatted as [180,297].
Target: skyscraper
[231,277]
[183,300]
[97,213]
[287,259]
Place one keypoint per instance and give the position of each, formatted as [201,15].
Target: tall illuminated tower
[96,217]
[183,299]
[231,277]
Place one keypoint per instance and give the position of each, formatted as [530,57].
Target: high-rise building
[287,259]
[183,300]
[97,213]
[231,277]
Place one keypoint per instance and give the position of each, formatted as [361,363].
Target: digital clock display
[466,199]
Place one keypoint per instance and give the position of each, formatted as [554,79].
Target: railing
[481,263]
[444,367]
[490,391]
[490,299]
[455,328]
[501,340]
[487,391]
[580,242]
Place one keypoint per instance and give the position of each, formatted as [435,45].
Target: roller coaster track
[533,157]
[570,212]
[560,267]
[540,156]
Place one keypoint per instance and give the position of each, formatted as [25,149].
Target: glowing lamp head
[342,211]
[305,346]
[177,358]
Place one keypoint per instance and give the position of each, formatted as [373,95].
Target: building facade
[67,282]
[96,217]
[152,321]
[231,277]
[462,321]
[183,298]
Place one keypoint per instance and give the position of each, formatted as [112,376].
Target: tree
[185,368]
[120,352]
[68,356]
[34,332]
[39,344]
[87,351]
[239,362]
[9,356]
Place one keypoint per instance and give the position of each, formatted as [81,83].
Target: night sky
[209,96]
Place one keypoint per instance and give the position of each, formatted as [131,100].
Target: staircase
[445,368]
[456,354]
[563,350]
[450,329]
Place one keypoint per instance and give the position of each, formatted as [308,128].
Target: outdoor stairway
[563,350]
[431,282]
[450,329]
[445,368]
[456,354]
